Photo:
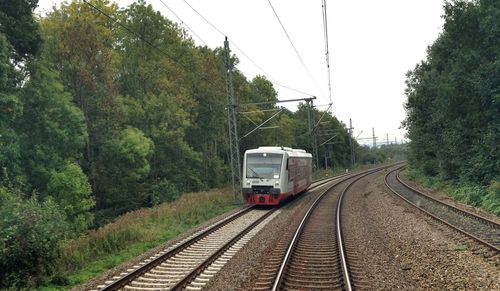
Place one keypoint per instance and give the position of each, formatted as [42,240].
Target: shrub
[30,232]
[469,194]
[71,190]
[491,201]
[163,191]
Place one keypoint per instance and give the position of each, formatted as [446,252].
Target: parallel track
[315,257]
[480,229]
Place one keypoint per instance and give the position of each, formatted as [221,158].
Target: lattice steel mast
[234,148]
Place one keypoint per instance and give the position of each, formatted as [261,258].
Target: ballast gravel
[405,250]
[402,249]
[108,275]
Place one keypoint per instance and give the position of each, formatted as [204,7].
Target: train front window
[264,165]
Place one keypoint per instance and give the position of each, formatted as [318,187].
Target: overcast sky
[372,45]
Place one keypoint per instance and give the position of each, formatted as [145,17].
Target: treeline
[453,106]
[97,120]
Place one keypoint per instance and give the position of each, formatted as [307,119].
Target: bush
[163,191]
[469,194]
[30,232]
[491,201]
[70,188]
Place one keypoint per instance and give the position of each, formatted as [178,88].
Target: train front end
[264,176]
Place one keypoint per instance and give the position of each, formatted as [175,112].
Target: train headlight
[277,182]
[248,182]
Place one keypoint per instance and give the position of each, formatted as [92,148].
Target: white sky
[372,45]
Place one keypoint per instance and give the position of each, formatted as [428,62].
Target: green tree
[11,109]
[52,127]
[70,189]
[30,233]
[126,160]
[452,106]
[81,43]
[17,23]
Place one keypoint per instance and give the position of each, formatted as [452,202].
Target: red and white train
[272,174]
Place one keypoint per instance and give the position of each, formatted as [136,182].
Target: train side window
[287,160]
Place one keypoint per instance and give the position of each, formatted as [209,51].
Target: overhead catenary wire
[128,29]
[295,49]
[274,81]
[183,22]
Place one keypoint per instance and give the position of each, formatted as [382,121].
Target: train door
[291,175]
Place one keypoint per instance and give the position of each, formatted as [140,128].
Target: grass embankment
[134,233]
[484,197]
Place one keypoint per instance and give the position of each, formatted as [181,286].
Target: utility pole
[234,148]
[387,137]
[350,143]
[374,138]
[311,132]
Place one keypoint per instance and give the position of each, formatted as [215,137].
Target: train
[273,174]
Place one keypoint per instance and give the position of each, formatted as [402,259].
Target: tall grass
[136,231]
[485,197]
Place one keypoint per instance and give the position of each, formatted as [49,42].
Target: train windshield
[264,165]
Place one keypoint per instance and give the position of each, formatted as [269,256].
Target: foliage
[30,233]
[491,201]
[97,120]
[126,160]
[139,230]
[453,101]
[11,109]
[69,187]
[452,106]
[53,128]
[17,23]
[163,191]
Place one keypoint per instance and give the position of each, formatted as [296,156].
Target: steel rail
[124,280]
[452,207]
[343,258]
[298,232]
[207,262]
[485,243]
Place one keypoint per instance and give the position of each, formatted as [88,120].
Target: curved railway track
[192,262]
[480,229]
[315,258]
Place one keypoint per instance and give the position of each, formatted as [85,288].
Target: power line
[243,52]
[138,35]
[126,28]
[294,48]
[184,23]
[206,20]
[281,85]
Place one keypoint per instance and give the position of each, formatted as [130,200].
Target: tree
[11,109]
[81,43]
[52,127]
[452,107]
[70,189]
[17,23]
[125,162]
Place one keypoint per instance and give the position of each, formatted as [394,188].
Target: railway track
[173,265]
[191,263]
[480,229]
[315,257]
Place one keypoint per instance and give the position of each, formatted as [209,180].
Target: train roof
[280,150]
